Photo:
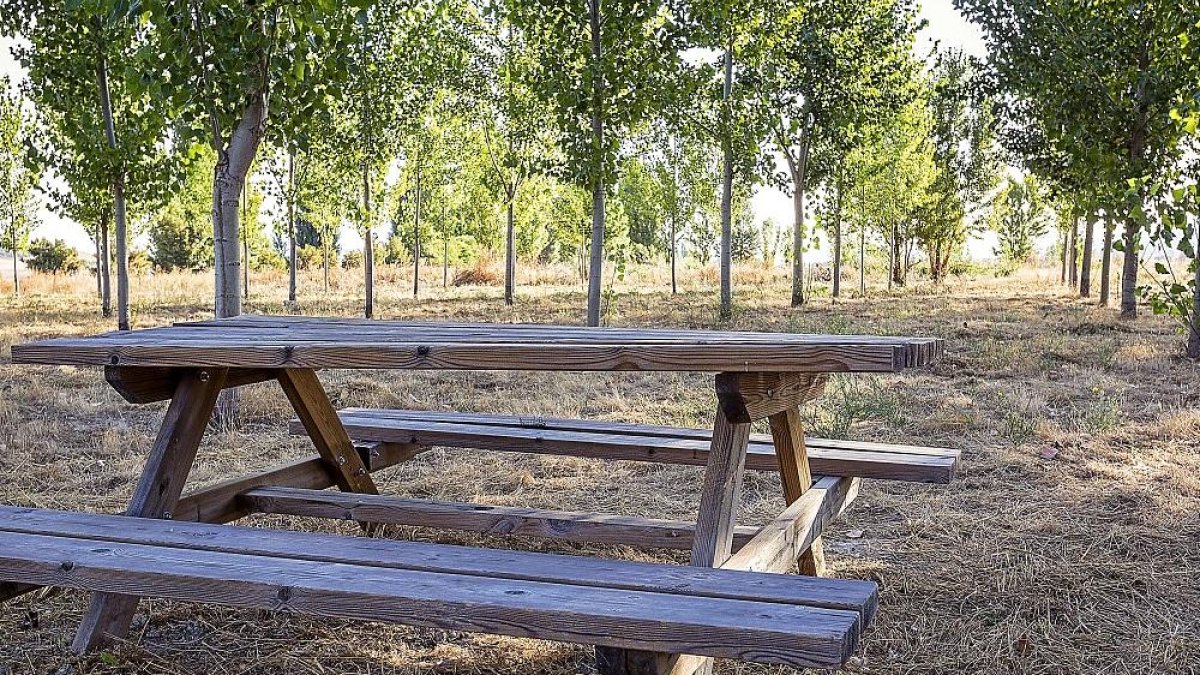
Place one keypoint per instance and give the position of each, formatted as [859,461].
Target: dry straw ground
[1070,543]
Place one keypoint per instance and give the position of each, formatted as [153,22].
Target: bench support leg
[712,546]
[167,467]
[788,433]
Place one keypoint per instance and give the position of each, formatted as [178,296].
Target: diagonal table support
[171,458]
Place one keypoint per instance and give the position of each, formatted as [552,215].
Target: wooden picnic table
[759,376]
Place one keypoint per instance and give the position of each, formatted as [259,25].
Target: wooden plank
[148,385]
[762,632]
[219,503]
[788,432]
[721,493]
[322,425]
[604,426]
[625,442]
[108,615]
[746,397]
[504,520]
[794,531]
[291,353]
[857,596]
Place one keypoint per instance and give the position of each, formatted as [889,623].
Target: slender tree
[598,88]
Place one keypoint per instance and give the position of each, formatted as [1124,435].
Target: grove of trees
[605,132]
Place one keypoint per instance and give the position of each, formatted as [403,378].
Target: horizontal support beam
[745,397]
[503,520]
[11,590]
[219,503]
[151,384]
[780,542]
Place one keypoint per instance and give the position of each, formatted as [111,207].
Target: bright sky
[945,26]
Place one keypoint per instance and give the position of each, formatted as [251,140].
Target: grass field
[1069,544]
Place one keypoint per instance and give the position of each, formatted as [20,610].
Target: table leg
[167,467]
[787,430]
[711,547]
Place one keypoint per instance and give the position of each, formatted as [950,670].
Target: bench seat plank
[611,440]
[486,519]
[669,620]
[844,594]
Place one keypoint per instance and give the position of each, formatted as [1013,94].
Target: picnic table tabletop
[255,341]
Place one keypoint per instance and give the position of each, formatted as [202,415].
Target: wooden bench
[794,620]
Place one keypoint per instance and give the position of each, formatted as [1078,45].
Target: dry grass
[1070,544]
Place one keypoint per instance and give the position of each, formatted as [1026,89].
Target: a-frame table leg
[787,430]
[167,467]
[711,547]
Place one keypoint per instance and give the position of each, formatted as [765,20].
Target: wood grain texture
[619,441]
[502,520]
[793,531]
[856,596]
[149,385]
[787,429]
[288,342]
[746,397]
[170,461]
[321,423]
[220,503]
[761,632]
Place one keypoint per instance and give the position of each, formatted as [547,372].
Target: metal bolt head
[202,376]
[341,459]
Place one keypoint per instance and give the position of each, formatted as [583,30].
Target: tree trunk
[726,310]
[799,170]
[16,278]
[368,247]
[837,237]
[1193,343]
[1066,245]
[1129,271]
[106,273]
[99,283]
[229,175]
[417,238]
[245,234]
[510,253]
[292,271]
[596,266]
[1073,256]
[325,256]
[118,187]
[862,260]
[674,287]
[1085,272]
[1106,260]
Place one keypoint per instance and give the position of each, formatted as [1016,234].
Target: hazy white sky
[945,26]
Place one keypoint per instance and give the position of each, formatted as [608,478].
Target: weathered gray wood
[506,520]
[762,632]
[616,441]
[219,503]
[157,492]
[148,385]
[788,431]
[780,542]
[321,423]
[857,596]
[712,543]
[338,344]
[746,397]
